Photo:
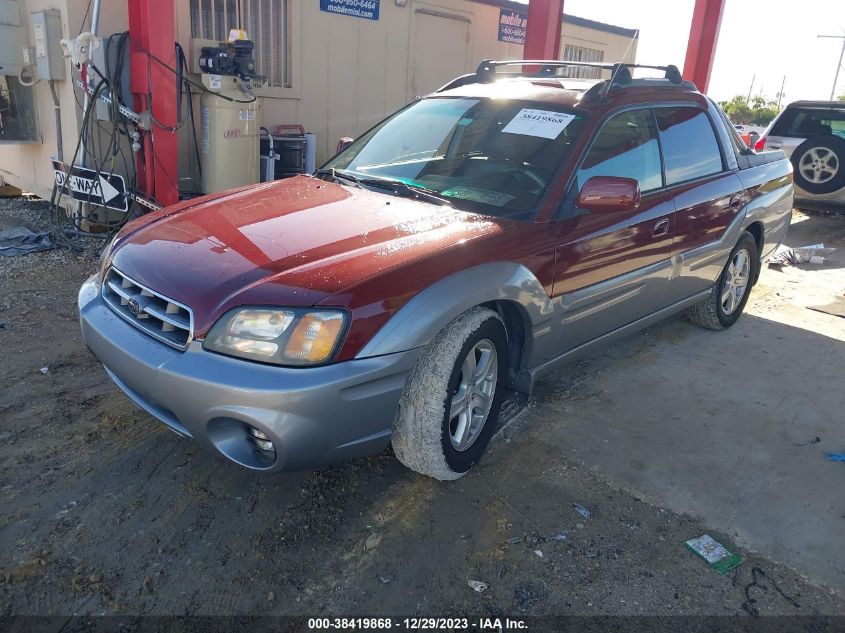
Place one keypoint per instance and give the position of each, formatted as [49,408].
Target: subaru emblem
[134,306]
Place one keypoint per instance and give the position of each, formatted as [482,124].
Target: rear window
[690,148]
[807,122]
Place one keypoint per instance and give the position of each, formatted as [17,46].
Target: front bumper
[313,415]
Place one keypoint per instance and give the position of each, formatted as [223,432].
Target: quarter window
[690,148]
[625,147]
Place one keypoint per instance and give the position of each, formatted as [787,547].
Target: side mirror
[343,143]
[609,193]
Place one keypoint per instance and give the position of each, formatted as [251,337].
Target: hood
[292,243]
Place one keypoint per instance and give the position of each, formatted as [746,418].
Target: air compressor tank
[230,122]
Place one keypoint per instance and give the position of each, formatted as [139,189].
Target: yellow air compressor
[230,118]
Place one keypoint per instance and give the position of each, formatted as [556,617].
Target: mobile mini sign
[512,26]
[367,9]
[88,185]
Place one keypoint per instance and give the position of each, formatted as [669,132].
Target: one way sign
[102,189]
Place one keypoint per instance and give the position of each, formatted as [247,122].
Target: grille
[162,318]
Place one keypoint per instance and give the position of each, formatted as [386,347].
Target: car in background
[812,135]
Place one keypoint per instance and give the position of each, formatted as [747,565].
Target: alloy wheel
[819,165]
[736,281]
[473,398]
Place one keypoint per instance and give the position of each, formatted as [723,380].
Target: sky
[763,40]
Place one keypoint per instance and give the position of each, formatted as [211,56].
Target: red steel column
[542,34]
[703,35]
[152,35]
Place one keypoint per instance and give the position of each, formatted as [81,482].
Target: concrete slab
[731,427]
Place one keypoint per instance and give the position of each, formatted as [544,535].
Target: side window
[806,122]
[626,147]
[690,148]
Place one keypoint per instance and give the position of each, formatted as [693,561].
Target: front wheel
[730,293]
[450,405]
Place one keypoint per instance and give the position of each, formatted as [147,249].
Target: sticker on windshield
[485,196]
[542,123]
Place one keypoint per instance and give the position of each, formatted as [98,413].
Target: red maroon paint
[609,193]
[306,241]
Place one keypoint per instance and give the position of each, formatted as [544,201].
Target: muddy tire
[451,403]
[730,293]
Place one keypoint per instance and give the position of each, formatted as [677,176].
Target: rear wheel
[450,405]
[730,293]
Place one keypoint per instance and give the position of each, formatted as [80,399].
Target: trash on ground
[582,510]
[515,539]
[19,240]
[385,579]
[477,585]
[539,552]
[714,553]
[372,541]
[811,254]
[815,440]
[44,370]
[835,457]
[837,308]
[561,536]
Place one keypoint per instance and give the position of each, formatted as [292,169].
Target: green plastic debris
[716,554]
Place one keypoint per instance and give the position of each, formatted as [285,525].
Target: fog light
[262,442]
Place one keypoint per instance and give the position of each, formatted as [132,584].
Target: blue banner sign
[512,26]
[367,9]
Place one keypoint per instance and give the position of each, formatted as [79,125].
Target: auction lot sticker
[543,123]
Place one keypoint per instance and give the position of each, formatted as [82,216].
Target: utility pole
[750,88]
[839,64]
[780,94]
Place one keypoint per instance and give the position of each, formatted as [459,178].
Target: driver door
[613,267]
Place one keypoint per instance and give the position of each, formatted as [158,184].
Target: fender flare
[419,320]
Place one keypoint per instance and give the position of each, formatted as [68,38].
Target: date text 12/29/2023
[417,624]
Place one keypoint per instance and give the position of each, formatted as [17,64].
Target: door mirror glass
[609,193]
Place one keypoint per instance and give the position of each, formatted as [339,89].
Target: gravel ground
[105,511]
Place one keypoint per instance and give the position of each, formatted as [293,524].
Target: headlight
[281,336]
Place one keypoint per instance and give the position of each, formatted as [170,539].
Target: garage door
[440,48]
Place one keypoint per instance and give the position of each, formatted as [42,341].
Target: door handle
[660,228]
[736,202]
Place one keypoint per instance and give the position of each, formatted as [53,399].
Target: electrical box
[12,38]
[112,58]
[46,38]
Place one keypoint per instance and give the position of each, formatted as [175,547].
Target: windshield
[491,156]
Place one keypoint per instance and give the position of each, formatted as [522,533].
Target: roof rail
[620,72]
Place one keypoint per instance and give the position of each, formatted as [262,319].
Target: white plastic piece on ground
[811,254]
[477,585]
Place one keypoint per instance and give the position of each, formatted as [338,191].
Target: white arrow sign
[91,186]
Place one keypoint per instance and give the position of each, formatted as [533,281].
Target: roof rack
[620,73]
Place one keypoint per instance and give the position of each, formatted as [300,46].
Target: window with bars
[266,24]
[582,54]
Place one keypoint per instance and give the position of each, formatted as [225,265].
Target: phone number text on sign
[367,9]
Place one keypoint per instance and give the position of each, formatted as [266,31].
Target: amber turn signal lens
[314,337]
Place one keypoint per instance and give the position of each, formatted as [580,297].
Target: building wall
[346,73]
[28,165]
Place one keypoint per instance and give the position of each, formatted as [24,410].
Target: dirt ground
[106,511]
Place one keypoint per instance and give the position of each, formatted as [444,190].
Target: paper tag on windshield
[542,123]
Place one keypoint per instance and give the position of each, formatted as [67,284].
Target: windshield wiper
[337,174]
[402,188]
